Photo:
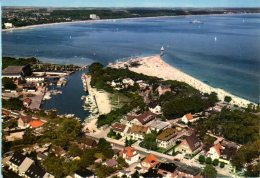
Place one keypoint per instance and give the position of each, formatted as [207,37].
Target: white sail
[162,48]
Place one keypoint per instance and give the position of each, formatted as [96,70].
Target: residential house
[23,121]
[167,170]
[84,173]
[162,89]
[15,162]
[227,151]
[190,145]
[137,132]
[215,151]
[187,171]
[111,163]
[140,119]
[128,81]
[150,161]
[25,166]
[27,102]
[155,108]
[37,172]
[36,123]
[130,155]
[119,128]
[166,138]
[187,118]
[158,125]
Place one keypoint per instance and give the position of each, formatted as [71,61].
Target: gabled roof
[167,134]
[36,123]
[189,116]
[129,151]
[84,173]
[26,119]
[13,70]
[189,170]
[35,172]
[217,148]
[17,158]
[119,127]
[146,117]
[193,142]
[169,167]
[151,160]
[111,162]
[138,129]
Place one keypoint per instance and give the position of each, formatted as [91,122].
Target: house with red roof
[130,155]
[36,123]
[215,151]
[119,128]
[187,118]
[150,161]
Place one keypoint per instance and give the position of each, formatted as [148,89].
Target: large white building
[8,25]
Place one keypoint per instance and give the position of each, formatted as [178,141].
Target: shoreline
[107,20]
[157,67]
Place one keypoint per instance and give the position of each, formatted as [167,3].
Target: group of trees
[149,141]
[12,104]
[10,61]
[8,84]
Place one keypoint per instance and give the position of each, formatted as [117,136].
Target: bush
[208,160]
[215,162]
[222,164]
[202,159]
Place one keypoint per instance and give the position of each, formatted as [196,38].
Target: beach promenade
[155,66]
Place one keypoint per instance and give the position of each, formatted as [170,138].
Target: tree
[105,148]
[53,165]
[121,162]
[215,162]
[208,160]
[227,99]
[95,68]
[74,150]
[8,83]
[150,141]
[222,165]
[12,104]
[209,171]
[87,158]
[202,159]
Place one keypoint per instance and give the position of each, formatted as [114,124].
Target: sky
[133,3]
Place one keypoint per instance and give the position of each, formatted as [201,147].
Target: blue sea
[223,51]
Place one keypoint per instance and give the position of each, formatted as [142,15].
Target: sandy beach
[155,66]
[101,97]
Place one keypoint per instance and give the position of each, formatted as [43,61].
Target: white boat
[162,48]
[196,22]
[215,38]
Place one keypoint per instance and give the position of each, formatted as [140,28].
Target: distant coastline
[118,19]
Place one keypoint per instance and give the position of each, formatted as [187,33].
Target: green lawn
[118,99]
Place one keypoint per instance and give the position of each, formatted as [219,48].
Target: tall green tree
[209,171]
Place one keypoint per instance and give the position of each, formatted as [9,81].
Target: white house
[137,132]
[158,125]
[166,138]
[130,155]
[128,81]
[215,151]
[94,17]
[187,118]
[155,109]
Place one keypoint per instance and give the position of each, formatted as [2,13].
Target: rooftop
[151,160]
[193,142]
[35,172]
[36,123]
[119,127]
[17,159]
[13,70]
[139,129]
[167,134]
[157,124]
[189,170]
[169,167]
[84,173]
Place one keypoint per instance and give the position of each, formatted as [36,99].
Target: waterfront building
[8,25]
[17,72]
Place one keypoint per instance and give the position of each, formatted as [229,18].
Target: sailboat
[215,38]
[162,48]
[70,37]
[162,51]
